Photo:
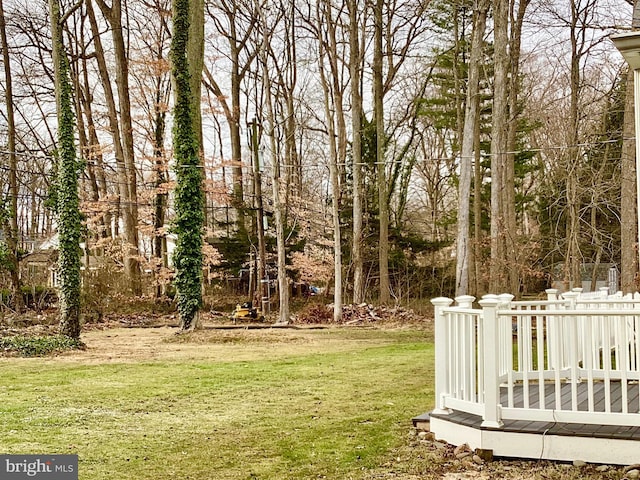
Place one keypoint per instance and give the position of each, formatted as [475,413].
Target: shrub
[25,346]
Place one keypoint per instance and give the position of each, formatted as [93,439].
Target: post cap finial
[441,301]
[489,302]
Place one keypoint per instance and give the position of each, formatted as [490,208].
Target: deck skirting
[551,439]
[606,444]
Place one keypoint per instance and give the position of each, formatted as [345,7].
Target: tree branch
[66,16]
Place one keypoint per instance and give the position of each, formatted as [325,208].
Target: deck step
[422,422]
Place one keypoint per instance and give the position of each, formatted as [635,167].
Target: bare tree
[516,16]
[121,129]
[469,135]
[272,134]
[355,69]
[499,142]
[10,216]
[152,84]
[383,202]
[336,132]
[236,22]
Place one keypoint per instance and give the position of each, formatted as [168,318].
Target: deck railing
[574,358]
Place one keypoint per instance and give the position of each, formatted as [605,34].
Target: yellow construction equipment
[246,311]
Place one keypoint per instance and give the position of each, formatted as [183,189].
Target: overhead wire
[228,164]
[149,185]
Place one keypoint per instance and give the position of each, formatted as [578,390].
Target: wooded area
[385,151]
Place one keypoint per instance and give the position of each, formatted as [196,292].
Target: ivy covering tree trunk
[189,192]
[67,201]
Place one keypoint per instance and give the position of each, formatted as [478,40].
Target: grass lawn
[286,404]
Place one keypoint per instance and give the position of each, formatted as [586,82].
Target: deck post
[441,353]
[505,334]
[491,341]
[552,337]
[568,331]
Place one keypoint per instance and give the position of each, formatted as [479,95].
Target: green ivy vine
[189,192]
[67,207]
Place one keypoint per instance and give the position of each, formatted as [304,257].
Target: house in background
[593,277]
[39,266]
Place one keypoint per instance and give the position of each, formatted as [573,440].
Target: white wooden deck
[555,379]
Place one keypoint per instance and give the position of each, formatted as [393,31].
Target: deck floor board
[633,396]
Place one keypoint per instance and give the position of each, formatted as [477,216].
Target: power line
[140,169]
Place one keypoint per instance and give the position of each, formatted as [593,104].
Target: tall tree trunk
[499,144]
[471,118]
[289,81]
[383,202]
[259,209]
[160,199]
[189,192]
[338,94]
[68,198]
[478,236]
[458,87]
[157,122]
[355,69]
[236,144]
[10,226]
[195,59]
[278,206]
[114,127]
[132,264]
[573,259]
[330,105]
[509,199]
[94,153]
